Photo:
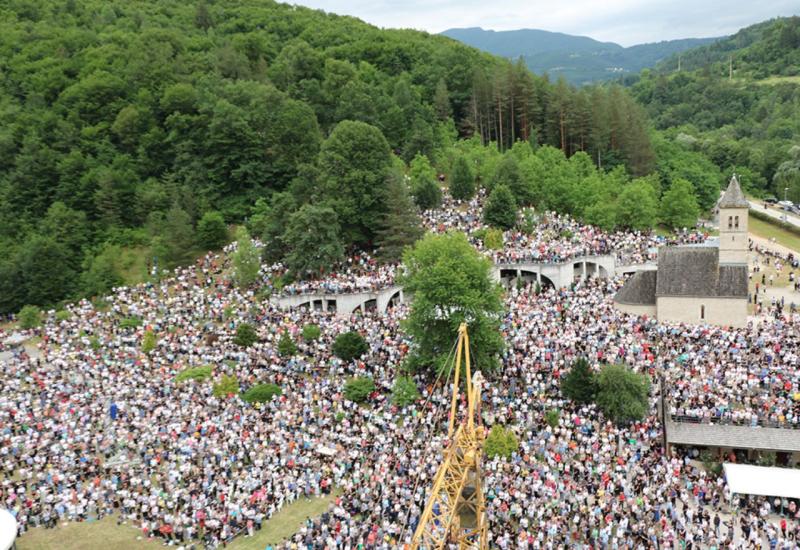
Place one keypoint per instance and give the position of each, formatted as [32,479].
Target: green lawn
[771,231]
[106,534]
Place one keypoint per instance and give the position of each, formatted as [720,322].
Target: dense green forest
[737,102]
[148,127]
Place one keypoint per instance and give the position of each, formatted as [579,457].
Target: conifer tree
[462,180]
[400,225]
[501,208]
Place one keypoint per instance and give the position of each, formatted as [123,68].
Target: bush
[579,384]
[286,347]
[94,343]
[358,389]
[194,373]
[622,394]
[29,317]
[212,233]
[349,346]
[500,442]
[404,391]
[228,385]
[311,332]
[149,341]
[245,335]
[63,315]
[552,417]
[131,322]
[494,239]
[261,393]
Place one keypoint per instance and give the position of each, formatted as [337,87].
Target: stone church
[698,283]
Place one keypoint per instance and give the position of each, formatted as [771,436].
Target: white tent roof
[8,529]
[744,479]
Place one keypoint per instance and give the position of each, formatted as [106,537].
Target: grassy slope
[106,534]
[771,231]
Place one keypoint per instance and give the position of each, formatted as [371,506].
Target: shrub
[149,341]
[500,442]
[131,322]
[579,384]
[358,389]
[311,332]
[552,417]
[212,233]
[622,394]
[349,346]
[404,391]
[245,335]
[63,315]
[194,373]
[494,239]
[261,393]
[228,385]
[94,343]
[29,317]
[339,417]
[286,347]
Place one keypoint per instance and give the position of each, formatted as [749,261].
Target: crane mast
[455,511]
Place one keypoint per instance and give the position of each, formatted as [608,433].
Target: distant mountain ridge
[580,59]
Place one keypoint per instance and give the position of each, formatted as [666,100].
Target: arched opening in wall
[547,282]
[332,305]
[304,305]
[702,312]
[507,276]
[317,305]
[371,305]
[394,300]
[602,272]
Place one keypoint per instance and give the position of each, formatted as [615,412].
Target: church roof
[733,197]
[640,289]
[695,272]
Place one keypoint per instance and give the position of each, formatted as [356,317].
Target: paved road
[775,212]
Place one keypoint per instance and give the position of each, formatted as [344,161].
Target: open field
[106,534]
[769,231]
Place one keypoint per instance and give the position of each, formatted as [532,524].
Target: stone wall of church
[637,309]
[715,311]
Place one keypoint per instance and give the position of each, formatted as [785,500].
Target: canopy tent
[8,530]
[744,479]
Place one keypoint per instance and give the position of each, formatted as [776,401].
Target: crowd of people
[92,426]
[549,238]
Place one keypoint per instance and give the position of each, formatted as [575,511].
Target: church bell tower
[733,211]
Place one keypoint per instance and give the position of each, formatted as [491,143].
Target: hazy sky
[625,22]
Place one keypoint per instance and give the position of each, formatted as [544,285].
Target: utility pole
[730,67]
[679,62]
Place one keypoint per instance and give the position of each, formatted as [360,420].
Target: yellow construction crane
[455,513]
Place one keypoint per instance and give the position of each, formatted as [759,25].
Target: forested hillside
[579,59]
[747,120]
[146,126]
[769,48]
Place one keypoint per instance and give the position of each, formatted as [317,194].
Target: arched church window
[702,312]
[730,222]
[736,222]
